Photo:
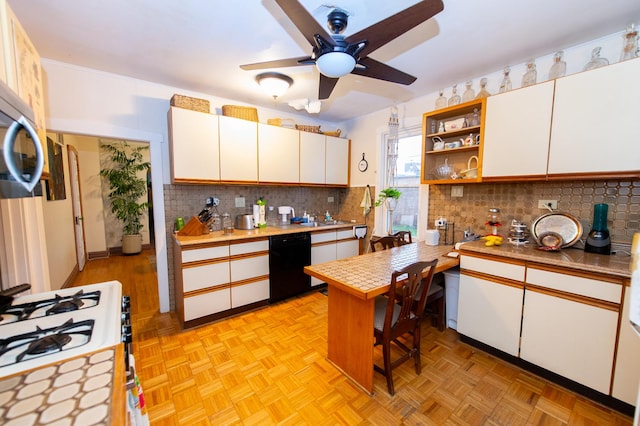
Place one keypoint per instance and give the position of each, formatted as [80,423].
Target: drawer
[205,253]
[323,237]
[345,234]
[493,267]
[203,276]
[208,303]
[588,287]
[249,267]
[252,247]
[247,293]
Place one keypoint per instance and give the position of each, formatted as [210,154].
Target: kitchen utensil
[12,291]
[283,211]
[598,240]
[550,241]
[469,172]
[564,224]
[244,221]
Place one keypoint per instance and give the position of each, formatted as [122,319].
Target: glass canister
[226,220]
[598,240]
[494,220]
[216,222]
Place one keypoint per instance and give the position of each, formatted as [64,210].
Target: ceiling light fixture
[335,64]
[273,83]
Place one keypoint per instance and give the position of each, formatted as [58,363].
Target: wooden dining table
[353,283]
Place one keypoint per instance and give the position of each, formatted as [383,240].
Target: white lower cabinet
[489,312]
[327,246]
[346,244]
[570,338]
[211,302]
[247,293]
[626,377]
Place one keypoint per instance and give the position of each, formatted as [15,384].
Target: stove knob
[125,317]
[126,303]
[127,335]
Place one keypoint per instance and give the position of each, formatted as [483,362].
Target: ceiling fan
[336,55]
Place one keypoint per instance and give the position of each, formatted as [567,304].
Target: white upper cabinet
[337,161]
[595,118]
[278,154]
[238,150]
[194,147]
[312,158]
[516,133]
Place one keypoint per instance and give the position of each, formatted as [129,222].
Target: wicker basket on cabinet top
[186,102]
[245,113]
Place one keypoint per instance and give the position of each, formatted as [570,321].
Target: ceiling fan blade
[380,71]
[279,63]
[304,21]
[386,30]
[326,86]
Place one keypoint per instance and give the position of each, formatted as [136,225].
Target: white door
[76,202]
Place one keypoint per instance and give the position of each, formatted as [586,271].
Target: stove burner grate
[51,306]
[40,342]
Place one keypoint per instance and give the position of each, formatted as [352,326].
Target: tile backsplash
[520,201]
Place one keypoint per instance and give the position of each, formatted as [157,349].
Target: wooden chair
[384,243]
[435,302]
[404,237]
[396,315]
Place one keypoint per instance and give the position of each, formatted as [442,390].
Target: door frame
[76,199]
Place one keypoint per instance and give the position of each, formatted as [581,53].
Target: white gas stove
[45,328]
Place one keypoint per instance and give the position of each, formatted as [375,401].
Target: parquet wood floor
[269,367]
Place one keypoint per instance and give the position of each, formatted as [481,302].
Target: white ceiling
[199,44]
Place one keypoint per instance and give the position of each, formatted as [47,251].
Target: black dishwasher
[288,255]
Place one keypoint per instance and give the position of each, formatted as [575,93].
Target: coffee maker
[598,240]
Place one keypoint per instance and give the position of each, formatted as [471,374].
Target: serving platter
[563,224]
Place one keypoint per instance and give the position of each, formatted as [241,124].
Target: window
[406,179]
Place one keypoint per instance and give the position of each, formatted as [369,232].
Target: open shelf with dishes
[451,143]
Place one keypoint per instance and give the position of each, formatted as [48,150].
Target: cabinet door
[322,253]
[208,303]
[194,148]
[203,276]
[346,244]
[312,158]
[337,161]
[238,150]
[594,118]
[249,267]
[490,312]
[278,154]
[516,134]
[627,373]
[247,293]
[573,339]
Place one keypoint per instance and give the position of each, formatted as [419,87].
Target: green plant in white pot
[126,189]
[389,196]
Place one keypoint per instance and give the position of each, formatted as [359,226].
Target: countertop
[240,234]
[369,275]
[616,265]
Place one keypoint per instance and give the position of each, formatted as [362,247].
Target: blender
[598,240]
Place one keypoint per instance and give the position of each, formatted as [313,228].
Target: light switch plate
[239,201]
[457,190]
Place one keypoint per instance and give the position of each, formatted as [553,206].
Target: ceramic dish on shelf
[563,224]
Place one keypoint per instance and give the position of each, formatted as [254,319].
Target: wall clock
[363,165]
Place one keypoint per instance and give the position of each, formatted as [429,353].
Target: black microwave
[22,156]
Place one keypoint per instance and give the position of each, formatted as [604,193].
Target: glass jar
[226,220]
[531,75]
[596,61]
[630,44]
[494,220]
[475,119]
[505,85]
[559,67]
[455,98]
[216,222]
[468,94]
[483,93]
[441,101]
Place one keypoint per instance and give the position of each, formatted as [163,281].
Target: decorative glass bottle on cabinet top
[559,67]
[531,75]
[505,85]
[455,98]
[441,101]
[596,61]
[468,94]
[630,46]
[483,93]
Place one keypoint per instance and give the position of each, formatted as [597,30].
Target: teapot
[438,143]
[469,140]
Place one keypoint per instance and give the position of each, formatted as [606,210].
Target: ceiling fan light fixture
[335,64]
[273,83]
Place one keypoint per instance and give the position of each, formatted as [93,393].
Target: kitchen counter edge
[241,234]
[616,265]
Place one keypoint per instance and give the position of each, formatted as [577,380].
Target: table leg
[350,336]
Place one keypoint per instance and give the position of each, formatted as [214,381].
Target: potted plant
[389,196]
[126,188]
